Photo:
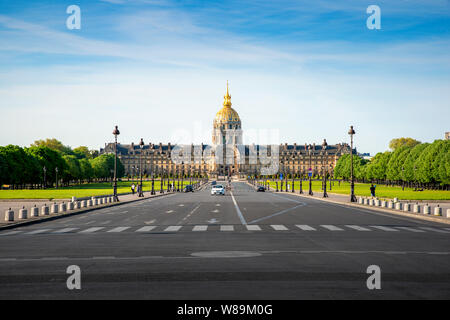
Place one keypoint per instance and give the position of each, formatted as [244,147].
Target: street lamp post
[116,132]
[325,172]
[351,132]
[45,174]
[56,178]
[310,170]
[141,146]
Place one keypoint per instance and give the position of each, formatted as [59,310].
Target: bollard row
[55,208]
[406,207]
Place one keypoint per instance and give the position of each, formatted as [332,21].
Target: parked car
[261,189]
[213,183]
[189,188]
[217,189]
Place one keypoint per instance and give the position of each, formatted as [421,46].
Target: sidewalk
[28,204]
[345,200]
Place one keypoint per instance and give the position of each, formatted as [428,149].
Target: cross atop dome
[227,98]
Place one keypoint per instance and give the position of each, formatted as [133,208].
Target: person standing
[372,190]
[133,188]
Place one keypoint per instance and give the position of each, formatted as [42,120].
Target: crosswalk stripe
[385,228]
[200,228]
[331,227]
[65,230]
[305,227]
[226,228]
[410,229]
[253,227]
[146,229]
[10,233]
[38,231]
[173,228]
[119,229]
[357,228]
[279,227]
[434,229]
[91,230]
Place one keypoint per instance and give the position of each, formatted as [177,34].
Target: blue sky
[299,71]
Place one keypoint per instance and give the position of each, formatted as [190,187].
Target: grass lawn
[362,189]
[85,190]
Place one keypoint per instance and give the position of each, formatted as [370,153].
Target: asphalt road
[244,245]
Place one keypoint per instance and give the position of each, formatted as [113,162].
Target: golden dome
[227,113]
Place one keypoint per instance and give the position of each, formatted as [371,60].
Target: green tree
[394,144]
[82,152]
[427,162]
[395,168]
[377,167]
[87,173]
[53,144]
[104,165]
[50,159]
[72,168]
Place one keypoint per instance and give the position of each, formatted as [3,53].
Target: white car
[218,189]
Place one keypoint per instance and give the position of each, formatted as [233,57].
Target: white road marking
[331,227]
[434,229]
[200,228]
[279,227]
[226,228]
[173,228]
[217,204]
[305,227]
[357,228]
[241,217]
[119,229]
[410,229]
[38,231]
[105,222]
[10,233]
[253,227]
[91,230]
[181,205]
[385,228]
[146,229]
[215,211]
[65,230]
[169,211]
[150,222]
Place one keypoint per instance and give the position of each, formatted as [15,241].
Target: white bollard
[360,200]
[9,215]
[45,210]
[426,209]
[100,201]
[398,206]
[110,199]
[407,207]
[438,211]
[62,207]
[448,213]
[95,202]
[78,205]
[89,203]
[395,200]
[23,213]
[83,204]
[54,208]
[34,212]
[370,202]
[70,206]
[377,202]
[384,204]
[390,205]
[416,208]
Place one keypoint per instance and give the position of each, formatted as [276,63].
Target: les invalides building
[227,155]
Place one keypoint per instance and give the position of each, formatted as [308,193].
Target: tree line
[46,160]
[410,162]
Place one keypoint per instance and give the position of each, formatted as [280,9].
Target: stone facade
[227,156]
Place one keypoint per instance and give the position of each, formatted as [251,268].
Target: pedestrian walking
[133,187]
[372,190]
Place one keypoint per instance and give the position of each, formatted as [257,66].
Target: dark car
[213,183]
[188,188]
[260,189]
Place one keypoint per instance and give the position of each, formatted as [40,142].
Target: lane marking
[169,211]
[65,230]
[410,229]
[200,228]
[305,227]
[10,233]
[253,227]
[279,227]
[357,228]
[385,228]
[276,214]
[38,231]
[91,230]
[331,227]
[146,229]
[226,228]
[173,228]
[118,229]
[434,229]
[239,213]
